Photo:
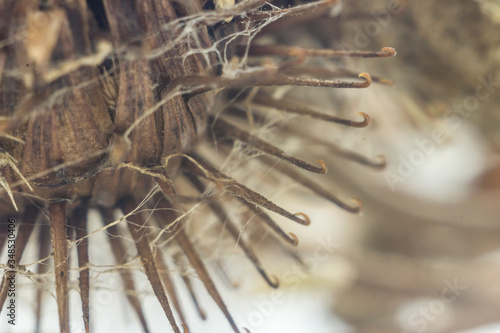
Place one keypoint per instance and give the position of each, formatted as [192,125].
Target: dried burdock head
[113,105]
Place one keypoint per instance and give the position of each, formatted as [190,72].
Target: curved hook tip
[295,239]
[306,218]
[368,80]
[324,168]
[365,122]
[273,281]
[381,161]
[358,205]
[391,52]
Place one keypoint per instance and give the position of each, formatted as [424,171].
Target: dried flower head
[116,105]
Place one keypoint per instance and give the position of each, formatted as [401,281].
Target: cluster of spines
[198,172]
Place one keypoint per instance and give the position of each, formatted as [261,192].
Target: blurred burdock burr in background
[427,257]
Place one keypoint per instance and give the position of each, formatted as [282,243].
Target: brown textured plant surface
[111,105]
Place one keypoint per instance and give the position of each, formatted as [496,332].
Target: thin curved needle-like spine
[187,282]
[231,228]
[290,237]
[378,163]
[42,268]
[283,80]
[325,72]
[165,217]
[262,77]
[306,182]
[168,283]
[225,275]
[59,236]
[205,170]
[225,129]
[195,260]
[293,107]
[282,50]
[79,221]
[265,76]
[119,251]
[136,226]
